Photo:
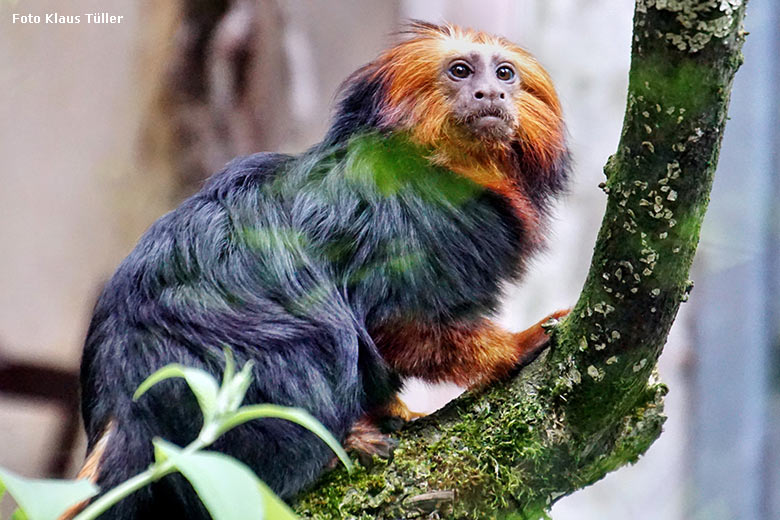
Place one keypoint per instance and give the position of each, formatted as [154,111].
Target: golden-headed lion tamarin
[378,254]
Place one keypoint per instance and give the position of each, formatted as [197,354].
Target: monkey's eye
[460,71]
[505,73]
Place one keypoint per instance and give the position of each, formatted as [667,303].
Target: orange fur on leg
[397,408]
[467,354]
[392,416]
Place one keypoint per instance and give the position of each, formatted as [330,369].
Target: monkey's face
[466,92]
[481,86]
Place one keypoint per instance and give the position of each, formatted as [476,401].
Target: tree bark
[591,403]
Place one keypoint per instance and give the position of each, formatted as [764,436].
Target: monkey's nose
[489,94]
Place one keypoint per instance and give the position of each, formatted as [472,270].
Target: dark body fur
[294,262]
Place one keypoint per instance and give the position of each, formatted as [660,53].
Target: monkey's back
[290,262]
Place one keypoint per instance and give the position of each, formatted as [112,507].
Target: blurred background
[104,127]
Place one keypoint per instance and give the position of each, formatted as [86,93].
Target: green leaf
[235,389]
[19,515]
[159,455]
[296,415]
[227,487]
[230,365]
[45,499]
[202,384]
[275,508]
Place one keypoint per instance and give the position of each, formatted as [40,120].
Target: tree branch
[591,403]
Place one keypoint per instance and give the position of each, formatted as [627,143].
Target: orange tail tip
[91,469]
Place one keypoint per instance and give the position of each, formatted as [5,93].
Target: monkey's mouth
[490,122]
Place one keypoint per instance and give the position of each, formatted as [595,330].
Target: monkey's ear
[416,27]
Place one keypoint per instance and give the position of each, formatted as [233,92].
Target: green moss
[495,450]
[665,83]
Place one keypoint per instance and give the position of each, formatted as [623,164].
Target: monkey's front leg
[468,353]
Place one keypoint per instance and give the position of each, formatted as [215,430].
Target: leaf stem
[154,472]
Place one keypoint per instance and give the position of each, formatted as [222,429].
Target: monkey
[378,254]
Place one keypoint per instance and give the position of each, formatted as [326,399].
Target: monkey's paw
[533,340]
[366,440]
[394,415]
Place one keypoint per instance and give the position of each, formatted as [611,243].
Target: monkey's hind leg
[366,440]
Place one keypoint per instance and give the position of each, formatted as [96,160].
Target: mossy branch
[591,403]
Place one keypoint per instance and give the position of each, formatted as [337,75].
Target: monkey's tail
[120,453]
[91,468]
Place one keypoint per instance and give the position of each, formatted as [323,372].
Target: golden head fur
[413,75]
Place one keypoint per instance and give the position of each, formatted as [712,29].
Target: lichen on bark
[698,22]
[592,402]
